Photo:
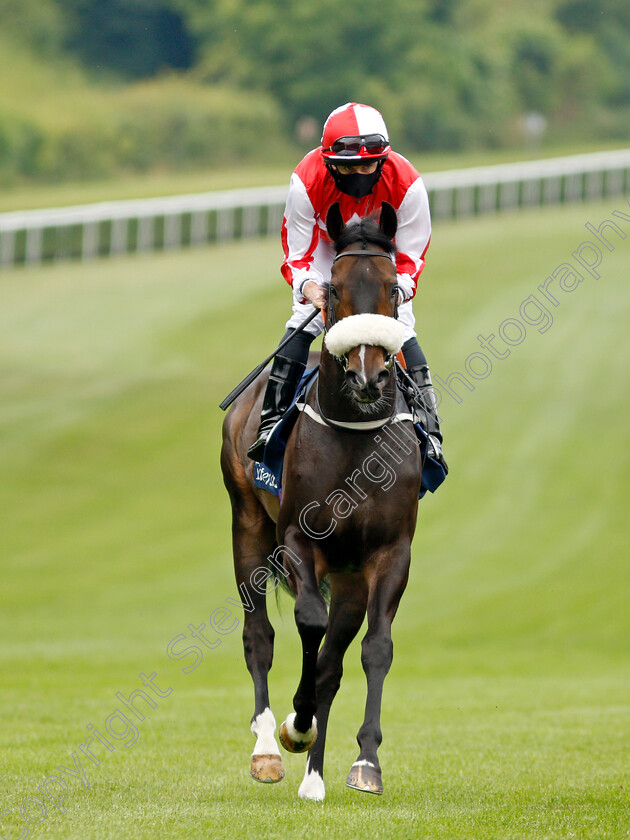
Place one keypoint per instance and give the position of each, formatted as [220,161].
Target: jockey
[356,167]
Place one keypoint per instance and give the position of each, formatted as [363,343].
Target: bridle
[344,361]
[363,253]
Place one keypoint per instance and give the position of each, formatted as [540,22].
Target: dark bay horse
[351,479]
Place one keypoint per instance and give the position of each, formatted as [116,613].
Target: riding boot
[283,380]
[425,406]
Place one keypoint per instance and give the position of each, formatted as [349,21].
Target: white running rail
[117,227]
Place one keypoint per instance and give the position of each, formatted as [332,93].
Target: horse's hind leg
[387,578]
[347,611]
[253,539]
[253,543]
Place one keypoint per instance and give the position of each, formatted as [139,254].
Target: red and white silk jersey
[308,252]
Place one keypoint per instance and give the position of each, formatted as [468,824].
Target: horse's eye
[334,292]
[394,292]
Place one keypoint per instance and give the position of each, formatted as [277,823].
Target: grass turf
[506,710]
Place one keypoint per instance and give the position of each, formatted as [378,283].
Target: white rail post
[146,234]
[487,198]
[443,205]
[118,239]
[225,224]
[199,227]
[573,187]
[7,247]
[531,192]
[613,182]
[464,201]
[508,195]
[251,221]
[274,219]
[89,241]
[34,245]
[594,185]
[172,231]
[551,189]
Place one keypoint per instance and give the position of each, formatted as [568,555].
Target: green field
[507,710]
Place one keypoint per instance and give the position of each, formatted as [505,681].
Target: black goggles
[374,144]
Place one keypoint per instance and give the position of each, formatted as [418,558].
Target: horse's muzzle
[367,389]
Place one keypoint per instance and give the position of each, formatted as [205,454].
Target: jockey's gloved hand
[315,293]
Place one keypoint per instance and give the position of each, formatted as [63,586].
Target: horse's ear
[388,222]
[334,222]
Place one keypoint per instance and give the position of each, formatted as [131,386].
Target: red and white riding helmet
[354,134]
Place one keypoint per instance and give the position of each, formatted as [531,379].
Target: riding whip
[227,402]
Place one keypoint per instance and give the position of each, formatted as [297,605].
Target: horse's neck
[335,400]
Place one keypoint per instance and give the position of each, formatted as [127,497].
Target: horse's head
[363,334]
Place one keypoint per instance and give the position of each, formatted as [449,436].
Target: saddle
[268,472]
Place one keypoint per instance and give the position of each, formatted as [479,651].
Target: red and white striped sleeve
[412,237]
[300,237]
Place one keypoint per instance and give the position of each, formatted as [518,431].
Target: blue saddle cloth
[268,472]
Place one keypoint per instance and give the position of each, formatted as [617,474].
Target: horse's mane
[366,232]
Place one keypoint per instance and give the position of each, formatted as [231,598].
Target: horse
[351,479]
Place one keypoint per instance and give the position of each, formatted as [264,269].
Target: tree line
[447,74]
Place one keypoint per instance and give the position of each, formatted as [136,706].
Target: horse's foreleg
[299,730]
[253,541]
[387,580]
[347,611]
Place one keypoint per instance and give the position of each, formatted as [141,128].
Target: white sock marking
[264,728]
[312,786]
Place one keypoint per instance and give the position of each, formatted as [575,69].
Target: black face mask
[356,185]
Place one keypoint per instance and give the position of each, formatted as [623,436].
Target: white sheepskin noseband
[376,330]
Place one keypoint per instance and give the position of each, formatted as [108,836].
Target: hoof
[267,769]
[294,741]
[366,777]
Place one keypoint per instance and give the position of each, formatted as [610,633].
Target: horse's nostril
[381,379]
[356,379]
